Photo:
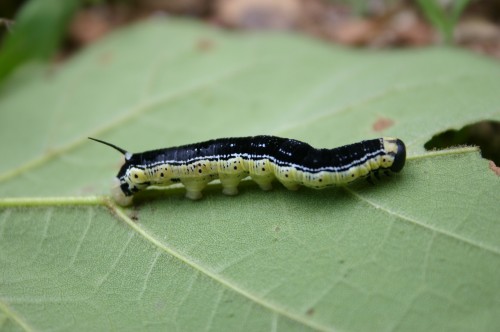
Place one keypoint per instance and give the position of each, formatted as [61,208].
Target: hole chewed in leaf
[382,124]
[485,134]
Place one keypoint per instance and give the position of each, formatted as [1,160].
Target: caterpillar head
[118,195]
[396,151]
[129,180]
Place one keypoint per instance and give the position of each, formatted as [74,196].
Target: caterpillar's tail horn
[124,152]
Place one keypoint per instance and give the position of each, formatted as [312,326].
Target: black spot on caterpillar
[263,158]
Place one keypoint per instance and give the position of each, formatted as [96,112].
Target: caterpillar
[263,158]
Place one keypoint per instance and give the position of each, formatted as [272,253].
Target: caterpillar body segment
[263,158]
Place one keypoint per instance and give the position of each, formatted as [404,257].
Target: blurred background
[55,30]
[372,23]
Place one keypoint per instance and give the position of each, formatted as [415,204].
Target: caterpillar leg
[291,185]
[194,194]
[194,188]
[230,191]
[229,184]
[229,188]
[375,175]
[263,182]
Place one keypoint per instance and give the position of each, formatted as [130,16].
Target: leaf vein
[423,225]
[14,316]
[120,213]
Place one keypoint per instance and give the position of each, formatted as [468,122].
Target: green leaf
[417,251]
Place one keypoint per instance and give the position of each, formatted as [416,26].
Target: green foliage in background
[417,251]
[36,32]
[443,17]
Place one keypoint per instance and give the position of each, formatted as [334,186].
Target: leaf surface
[417,251]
